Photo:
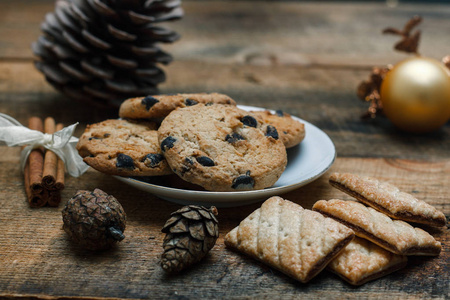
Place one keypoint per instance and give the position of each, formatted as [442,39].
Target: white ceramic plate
[306,162]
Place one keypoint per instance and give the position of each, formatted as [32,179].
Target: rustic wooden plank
[37,260]
[323,96]
[282,32]
[304,58]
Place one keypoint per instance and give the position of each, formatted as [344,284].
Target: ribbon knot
[47,140]
[62,143]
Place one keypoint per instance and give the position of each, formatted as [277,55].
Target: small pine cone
[105,51]
[190,233]
[94,220]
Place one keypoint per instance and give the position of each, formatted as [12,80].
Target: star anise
[410,41]
[369,91]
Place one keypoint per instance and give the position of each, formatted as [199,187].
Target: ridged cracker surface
[125,148]
[296,241]
[394,235]
[362,261]
[388,199]
[222,148]
[159,106]
[291,131]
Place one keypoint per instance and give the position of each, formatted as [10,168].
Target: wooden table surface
[304,58]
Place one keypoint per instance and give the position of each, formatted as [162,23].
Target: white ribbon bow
[62,143]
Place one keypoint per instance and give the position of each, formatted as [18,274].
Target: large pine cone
[94,220]
[105,51]
[191,232]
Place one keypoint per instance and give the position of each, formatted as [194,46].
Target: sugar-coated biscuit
[362,261]
[387,199]
[393,235]
[296,241]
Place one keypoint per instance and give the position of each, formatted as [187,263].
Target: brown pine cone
[94,220]
[190,233]
[105,51]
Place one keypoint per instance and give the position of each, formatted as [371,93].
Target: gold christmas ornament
[416,95]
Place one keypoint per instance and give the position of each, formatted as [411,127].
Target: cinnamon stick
[60,170]
[50,159]
[53,198]
[35,200]
[36,160]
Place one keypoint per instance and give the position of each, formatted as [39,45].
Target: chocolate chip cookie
[222,148]
[291,131]
[157,107]
[125,148]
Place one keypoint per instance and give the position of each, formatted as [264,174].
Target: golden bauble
[416,95]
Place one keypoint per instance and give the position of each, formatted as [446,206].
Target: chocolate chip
[279,113]
[249,121]
[272,132]
[149,101]
[188,162]
[94,138]
[243,182]
[205,161]
[124,162]
[152,159]
[167,143]
[234,137]
[190,102]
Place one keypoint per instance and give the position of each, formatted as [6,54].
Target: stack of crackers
[205,139]
[359,240]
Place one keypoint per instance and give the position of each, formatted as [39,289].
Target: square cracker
[362,261]
[387,199]
[296,241]
[393,235]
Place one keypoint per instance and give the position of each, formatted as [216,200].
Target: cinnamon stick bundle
[44,173]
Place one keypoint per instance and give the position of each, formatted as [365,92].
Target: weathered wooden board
[36,258]
[303,58]
[265,32]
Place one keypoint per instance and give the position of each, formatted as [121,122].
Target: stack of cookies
[205,139]
[358,242]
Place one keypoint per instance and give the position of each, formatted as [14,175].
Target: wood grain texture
[37,259]
[283,32]
[304,58]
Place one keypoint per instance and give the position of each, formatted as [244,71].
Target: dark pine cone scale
[94,220]
[104,51]
[190,233]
